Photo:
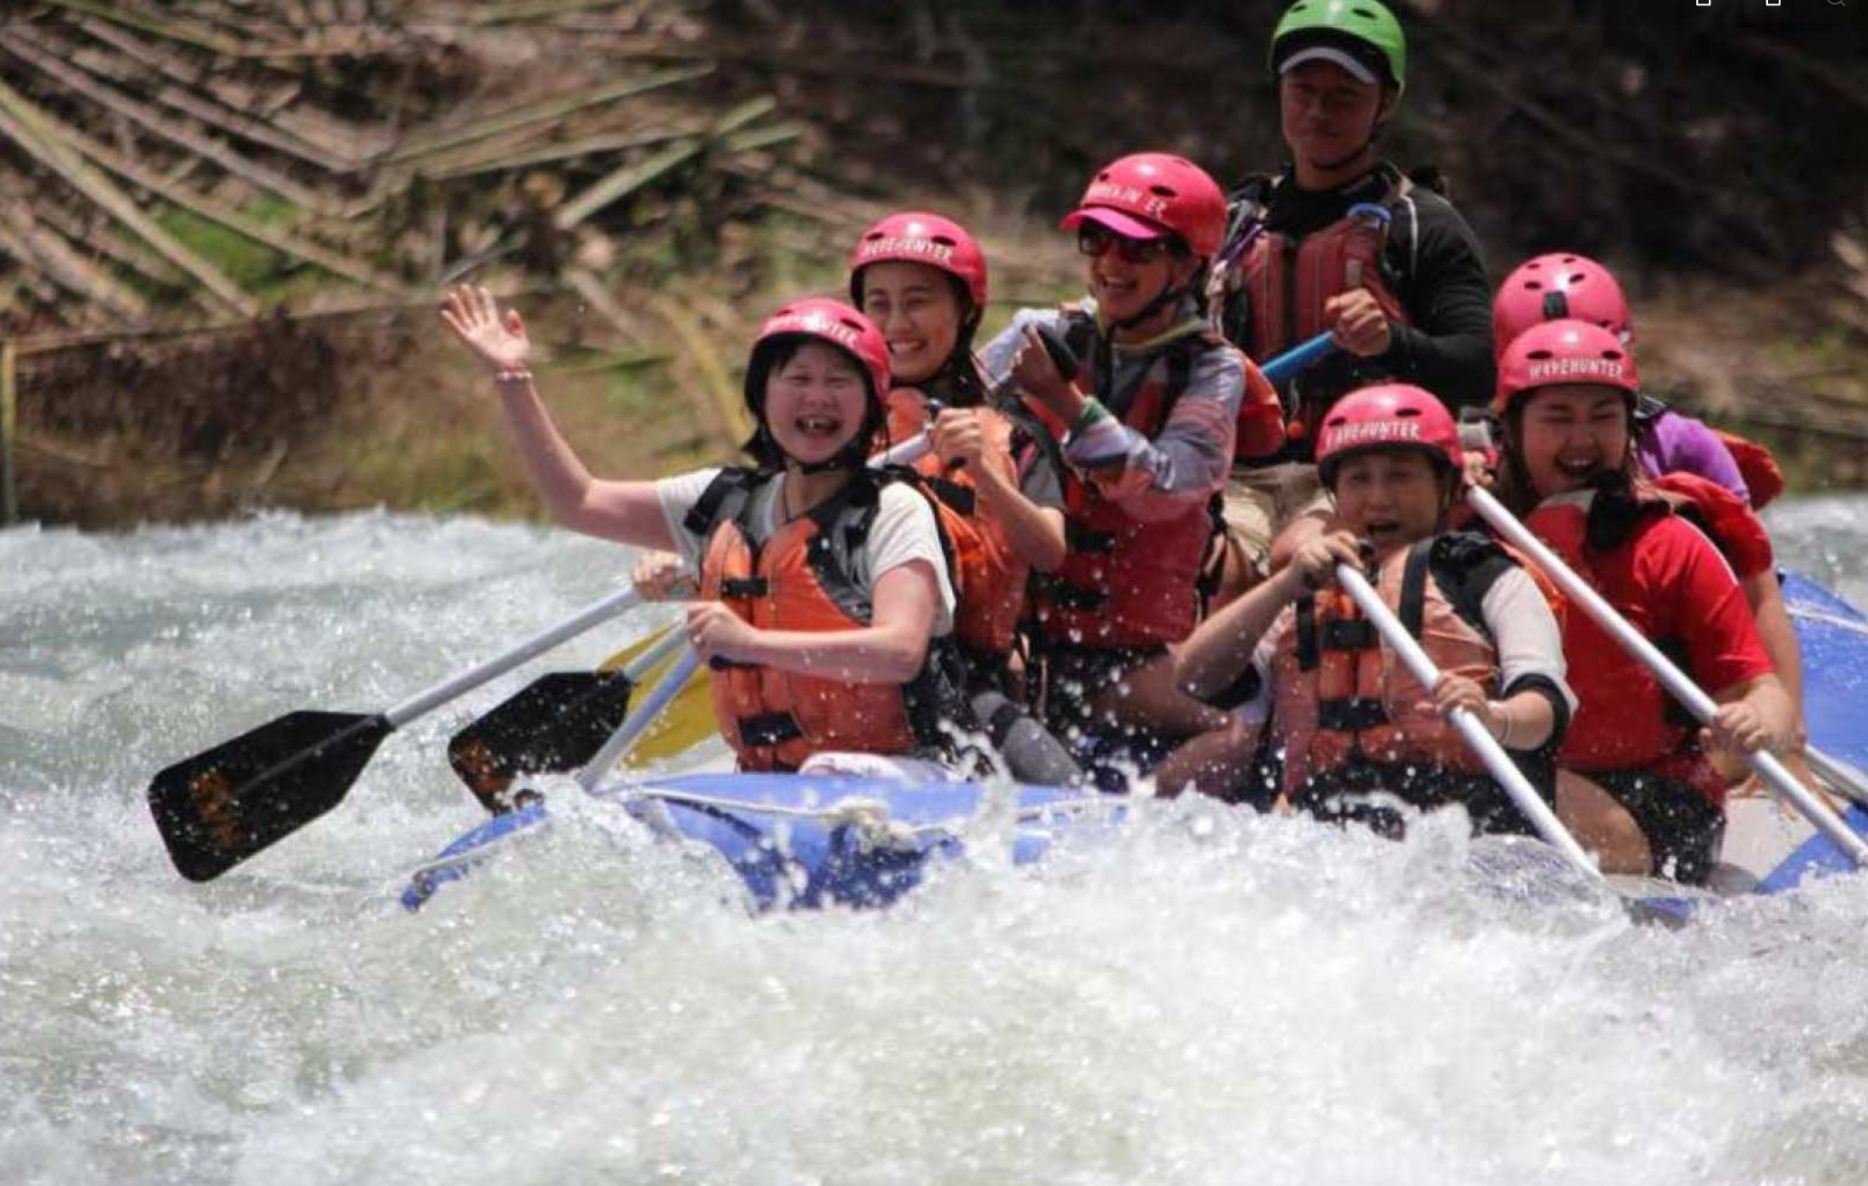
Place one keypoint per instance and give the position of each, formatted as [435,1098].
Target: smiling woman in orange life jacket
[922,279]
[1147,426]
[828,599]
[1349,717]
[1636,785]
[1404,295]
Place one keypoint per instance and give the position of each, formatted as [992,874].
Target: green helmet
[1363,30]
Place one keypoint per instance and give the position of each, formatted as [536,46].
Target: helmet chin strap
[1169,296]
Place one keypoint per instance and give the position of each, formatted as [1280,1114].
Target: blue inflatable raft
[806,841]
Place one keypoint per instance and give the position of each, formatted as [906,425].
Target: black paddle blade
[218,808]
[555,724]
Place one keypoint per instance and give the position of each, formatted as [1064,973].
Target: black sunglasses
[1095,240]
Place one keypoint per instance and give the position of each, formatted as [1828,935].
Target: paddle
[458,858]
[1497,762]
[1842,777]
[222,806]
[1677,683]
[660,697]
[554,723]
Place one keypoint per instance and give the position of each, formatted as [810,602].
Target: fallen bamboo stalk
[726,395]
[39,135]
[174,31]
[589,145]
[22,235]
[548,109]
[281,241]
[154,121]
[9,432]
[187,96]
[599,299]
[624,181]
[530,10]
[164,62]
[97,233]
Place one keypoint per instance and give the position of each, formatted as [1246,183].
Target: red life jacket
[1343,695]
[989,575]
[1126,582]
[1728,522]
[804,578]
[1625,720]
[1757,465]
[1288,279]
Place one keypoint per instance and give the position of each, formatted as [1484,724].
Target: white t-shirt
[902,533]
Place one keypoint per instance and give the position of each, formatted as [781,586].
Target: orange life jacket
[1341,694]
[989,575]
[1625,720]
[804,578]
[1126,582]
[1287,280]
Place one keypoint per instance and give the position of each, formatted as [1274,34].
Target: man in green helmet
[1341,241]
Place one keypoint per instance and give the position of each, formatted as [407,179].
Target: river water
[1209,997]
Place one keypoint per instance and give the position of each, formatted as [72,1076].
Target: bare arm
[1217,653]
[892,649]
[629,512]
[1753,715]
[961,436]
[1035,532]
[1780,640]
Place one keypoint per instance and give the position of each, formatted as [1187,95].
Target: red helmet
[1557,286]
[1387,416]
[1147,194]
[831,322]
[916,238]
[1564,352]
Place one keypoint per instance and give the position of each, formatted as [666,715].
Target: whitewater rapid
[1209,997]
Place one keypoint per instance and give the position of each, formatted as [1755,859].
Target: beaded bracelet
[513,375]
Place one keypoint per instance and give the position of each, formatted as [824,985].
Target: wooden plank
[39,135]
[154,121]
[548,109]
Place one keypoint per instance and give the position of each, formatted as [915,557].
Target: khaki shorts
[1263,500]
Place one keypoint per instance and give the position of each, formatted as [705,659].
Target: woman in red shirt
[1637,787]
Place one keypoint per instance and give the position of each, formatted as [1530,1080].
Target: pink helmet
[1387,416]
[1557,286]
[1146,194]
[831,322]
[1564,352]
[917,238]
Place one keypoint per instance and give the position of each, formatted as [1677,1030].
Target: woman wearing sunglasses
[1147,425]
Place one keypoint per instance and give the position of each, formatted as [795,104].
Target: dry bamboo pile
[197,161]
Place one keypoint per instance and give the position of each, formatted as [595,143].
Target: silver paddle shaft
[1677,682]
[1497,762]
[638,721]
[600,611]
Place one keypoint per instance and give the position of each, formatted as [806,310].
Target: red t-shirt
[1676,589]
